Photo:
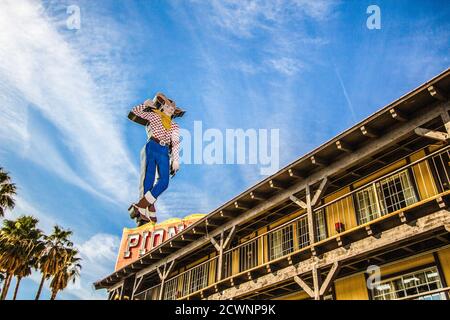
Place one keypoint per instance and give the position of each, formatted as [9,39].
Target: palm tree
[2,278]
[18,242]
[22,272]
[7,192]
[57,245]
[69,271]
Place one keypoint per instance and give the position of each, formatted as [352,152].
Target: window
[411,284]
[227,264]
[367,205]
[170,289]
[302,232]
[441,165]
[195,279]
[321,227]
[396,192]
[281,242]
[303,229]
[385,196]
[199,277]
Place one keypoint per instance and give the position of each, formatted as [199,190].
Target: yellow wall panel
[352,288]
[407,264]
[336,194]
[341,211]
[424,178]
[301,295]
[287,218]
[444,258]
[197,262]
[212,272]
[380,173]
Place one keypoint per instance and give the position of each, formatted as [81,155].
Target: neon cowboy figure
[160,155]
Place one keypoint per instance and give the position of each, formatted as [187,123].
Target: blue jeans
[157,156]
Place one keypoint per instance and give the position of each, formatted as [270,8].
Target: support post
[163,276]
[309,213]
[317,281]
[330,278]
[223,244]
[446,119]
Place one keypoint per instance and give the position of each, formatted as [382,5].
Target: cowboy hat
[160,100]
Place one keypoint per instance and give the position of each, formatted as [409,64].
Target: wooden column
[223,244]
[163,276]
[309,213]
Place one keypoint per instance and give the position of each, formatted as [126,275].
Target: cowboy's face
[169,109]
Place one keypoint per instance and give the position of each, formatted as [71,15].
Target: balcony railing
[417,181]
[190,280]
[149,294]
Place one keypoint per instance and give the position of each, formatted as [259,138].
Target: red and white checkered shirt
[156,129]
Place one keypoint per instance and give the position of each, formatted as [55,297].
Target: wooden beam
[310,218]
[378,259]
[304,286]
[257,196]
[441,202]
[432,134]
[408,249]
[330,278]
[368,132]
[198,230]
[212,223]
[320,191]
[436,93]
[397,115]
[298,202]
[317,281]
[353,173]
[241,206]
[295,173]
[402,217]
[176,244]
[277,185]
[371,148]
[318,161]
[188,237]
[342,146]
[215,244]
[136,284]
[226,214]
[229,237]
[446,120]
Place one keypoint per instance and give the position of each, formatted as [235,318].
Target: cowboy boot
[135,211]
[146,200]
[151,213]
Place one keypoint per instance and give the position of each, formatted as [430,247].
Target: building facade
[363,216]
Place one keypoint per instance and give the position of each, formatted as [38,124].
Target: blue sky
[309,68]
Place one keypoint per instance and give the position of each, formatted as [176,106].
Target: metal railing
[405,186]
[149,294]
[416,181]
[190,280]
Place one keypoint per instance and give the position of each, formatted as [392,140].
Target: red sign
[138,241]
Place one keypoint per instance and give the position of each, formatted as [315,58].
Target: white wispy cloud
[47,73]
[98,254]
[285,65]
[244,18]
[344,91]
